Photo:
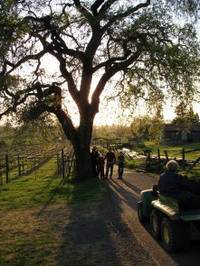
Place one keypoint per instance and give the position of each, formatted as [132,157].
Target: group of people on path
[98,163]
[170,183]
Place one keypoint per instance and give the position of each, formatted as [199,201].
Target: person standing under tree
[94,158]
[120,164]
[111,159]
[101,165]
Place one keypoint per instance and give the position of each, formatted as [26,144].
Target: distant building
[179,133]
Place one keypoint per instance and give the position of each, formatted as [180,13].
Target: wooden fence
[65,162]
[24,164]
[183,161]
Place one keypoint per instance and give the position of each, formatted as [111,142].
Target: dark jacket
[174,185]
[110,157]
[94,157]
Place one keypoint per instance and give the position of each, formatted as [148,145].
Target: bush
[156,168]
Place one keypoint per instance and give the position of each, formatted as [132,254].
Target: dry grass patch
[32,237]
[85,234]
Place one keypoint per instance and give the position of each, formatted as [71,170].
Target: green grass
[133,163]
[36,215]
[44,188]
[176,150]
[173,151]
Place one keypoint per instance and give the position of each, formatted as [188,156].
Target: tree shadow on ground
[96,235]
[90,236]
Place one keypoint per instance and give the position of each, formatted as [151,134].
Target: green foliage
[105,134]
[156,168]
[148,128]
[133,163]
[12,28]
[185,115]
[35,137]
[162,74]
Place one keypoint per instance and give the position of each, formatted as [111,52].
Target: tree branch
[119,16]
[83,11]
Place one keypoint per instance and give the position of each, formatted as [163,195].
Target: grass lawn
[35,212]
[175,150]
[192,153]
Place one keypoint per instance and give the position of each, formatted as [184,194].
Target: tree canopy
[148,128]
[185,115]
[57,52]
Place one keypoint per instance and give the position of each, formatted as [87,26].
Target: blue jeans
[109,166]
[120,169]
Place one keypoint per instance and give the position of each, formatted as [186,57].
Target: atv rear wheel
[175,235]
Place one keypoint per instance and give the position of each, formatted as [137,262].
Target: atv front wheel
[155,223]
[141,217]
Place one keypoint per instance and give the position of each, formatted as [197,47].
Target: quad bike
[176,228]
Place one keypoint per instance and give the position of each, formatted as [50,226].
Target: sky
[107,117]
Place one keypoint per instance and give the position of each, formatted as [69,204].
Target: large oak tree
[56,52]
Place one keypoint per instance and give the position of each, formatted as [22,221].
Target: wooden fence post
[166,155]
[7,170]
[159,155]
[183,158]
[58,164]
[19,165]
[63,164]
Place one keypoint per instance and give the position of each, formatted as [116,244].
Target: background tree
[185,115]
[61,52]
[148,128]
[156,129]
[46,135]
[140,128]
[111,134]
